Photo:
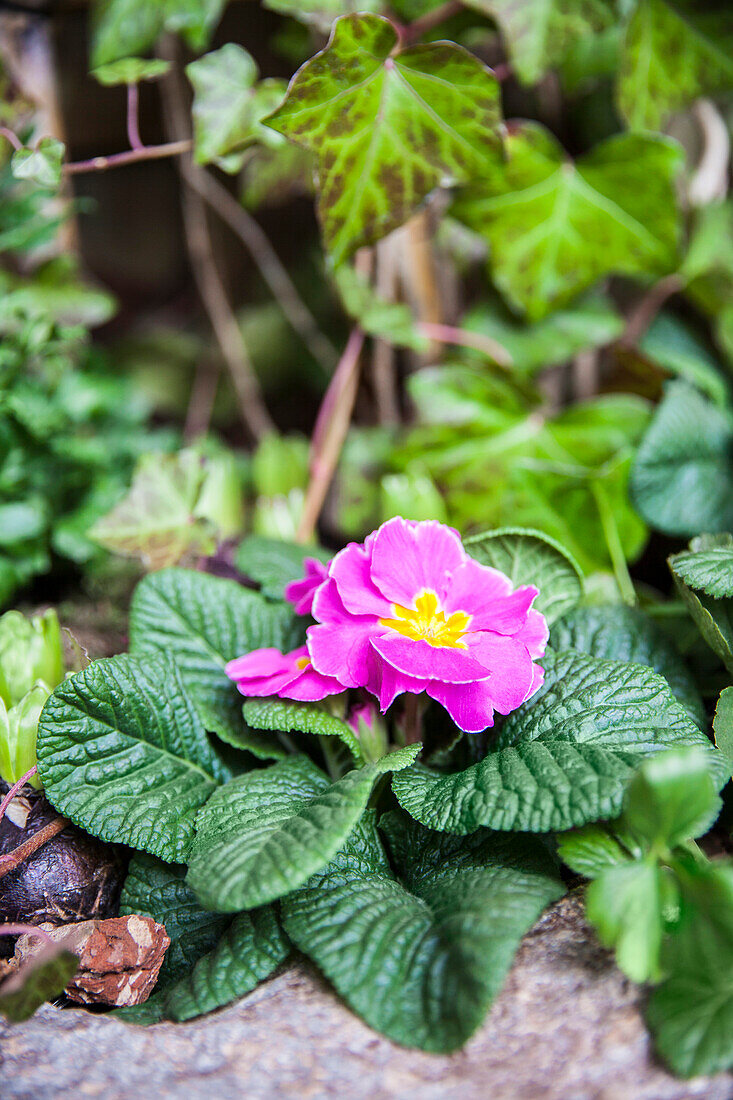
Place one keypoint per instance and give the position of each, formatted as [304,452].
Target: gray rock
[567,1026]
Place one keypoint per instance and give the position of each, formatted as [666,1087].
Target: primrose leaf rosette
[409,610]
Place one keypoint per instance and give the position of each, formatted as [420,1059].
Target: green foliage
[131,70]
[123,753]
[555,228]
[709,569]
[723,724]
[389,321]
[321,13]
[420,952]
[286,716]
[683,471]
[565,757]
[41,165]
[39,979]
[386,128]
[129,28]
[712,616]
[273,564]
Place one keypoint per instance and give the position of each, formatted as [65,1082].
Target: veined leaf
[673,53]
[619,633]
[682,479]
[565,757]
[203,622]
[708,570]
[723,724]
[387,128]
[273,564]
[270,830]
[123,753]
[713,617]
[285,716]
[421,956]
[554,228]
[158,890]
[529,557]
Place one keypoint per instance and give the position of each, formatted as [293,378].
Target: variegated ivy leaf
[539,33]
[555,227]
[387,127]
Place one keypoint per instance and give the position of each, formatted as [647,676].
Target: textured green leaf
[691,1012]
[273,564]
[713,617]
[554,228]
[539,33]
[709,570]
[673,53]
[723,724]
[40,978]
[229,104]
[131,70]
[129,28]
[682,479]
[158,890]
[387,128]
[268,831]
[620,633]
[565,757]
[203,622]
[123,753]
[625,904]
[282,715]
[421,956]
[41,165]
[321,13]
[529,557]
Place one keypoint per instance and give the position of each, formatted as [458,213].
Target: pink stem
[130,156]
[448,334]
[11,137]
[24,930]
[15,789]
[336,386]
[133,123]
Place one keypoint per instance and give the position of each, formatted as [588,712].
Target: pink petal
[311,687]
[424,661]
[538,679]
[351,571]
[339,643]
[264,671]
[510,667]
[408,558]
[300,593]
[392,683]
[486,595]
[534,633]
[469,705]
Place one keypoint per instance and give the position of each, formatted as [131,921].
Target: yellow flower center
[302,662]
[427,624]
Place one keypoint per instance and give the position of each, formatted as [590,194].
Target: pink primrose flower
[300,593]
[289,675]
[409,611]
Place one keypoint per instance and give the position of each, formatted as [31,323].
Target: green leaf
[723,724]
[673,347]
[673,53]
[30,650]
[565,757]
[595,848]
[671,798]
[267,831]
[131,70]
[713,617]
[691,1012]
[626,905]
[284,716]
[619,633]
[40,978]
[387,128]
[708,570]
[130,28]
[529,557]
[539,33]
[228,106]
[589,323]
[544,217]
[273,564]
[158,890]
[247,953]
[203,622]
[321,13]
[682,479]
[123,753]
[421,956]
[41,165]
[390,321]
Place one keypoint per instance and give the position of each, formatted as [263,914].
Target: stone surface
[566,1027]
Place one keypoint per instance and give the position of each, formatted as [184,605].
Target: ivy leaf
[158,890]
[539,33]
[131,70]
[626,904]
[672,53]
[284,716]
[268,831]
[130,28]
[691,1012]
[228,106]
[421,956]
[40,978]
[203,622]
[41,165]
[565,757]
[723,724]
[321,13]
[620,633]
[529,557]
[387,128]
[123,753]
[708,570]
[682,476]
[273,564]
[390,321]
[713,617]
[544,217]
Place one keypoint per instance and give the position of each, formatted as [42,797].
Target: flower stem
[133,121]
[613,542]
[25,930]
[449,334]
[130,156]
